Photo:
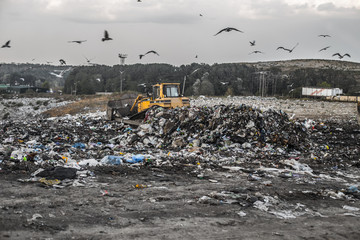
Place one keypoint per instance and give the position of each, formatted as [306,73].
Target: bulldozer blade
[131,122]
[121,107]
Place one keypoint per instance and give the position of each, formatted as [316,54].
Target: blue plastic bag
[136,158]
[112,160]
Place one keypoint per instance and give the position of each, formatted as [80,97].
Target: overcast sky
[39,30]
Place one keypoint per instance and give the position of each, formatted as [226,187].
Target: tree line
[214,80]
[199,79]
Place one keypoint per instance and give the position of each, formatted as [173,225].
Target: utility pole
[183,90]
[262,83]
[75,88]
[122,62]
[121,80]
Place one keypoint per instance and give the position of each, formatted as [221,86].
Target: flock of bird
[252,43]
[106,37]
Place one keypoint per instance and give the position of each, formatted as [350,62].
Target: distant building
[321,92]
[3,88]
[21,89]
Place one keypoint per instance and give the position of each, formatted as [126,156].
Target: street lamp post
[121,80]
[122,62]
[183,90]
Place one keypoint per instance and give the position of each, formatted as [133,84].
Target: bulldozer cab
[166,90]
[166,95]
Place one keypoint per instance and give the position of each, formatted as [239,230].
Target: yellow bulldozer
[131,107]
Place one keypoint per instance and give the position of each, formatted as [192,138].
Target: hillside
[309,63]
[201,79]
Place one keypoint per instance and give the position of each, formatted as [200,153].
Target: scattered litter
[50,182]
[241,214]
[354,209]
[34,217]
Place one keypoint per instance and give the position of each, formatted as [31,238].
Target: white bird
[224,83]
[61,74]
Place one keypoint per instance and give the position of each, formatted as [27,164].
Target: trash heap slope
[226,128]
[222,126]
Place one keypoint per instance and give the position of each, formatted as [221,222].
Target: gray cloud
[326,7]
[41,29]
[339,11]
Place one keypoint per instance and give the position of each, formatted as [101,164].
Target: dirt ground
[253,198]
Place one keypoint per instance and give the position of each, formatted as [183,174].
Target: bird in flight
[256,51]
[6,45]
[341,56]
[224,83]
[228,29]
[62,62]
[88,60]
[200,15]
[324,35]
[106,36]
[61,74]
[252,43]
[151,51]
[77,41]
[323,49]
[289,50]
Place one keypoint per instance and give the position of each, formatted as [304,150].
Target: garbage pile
[247,146]
[83,138]
[221,126]
[27,108]
[299,107]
